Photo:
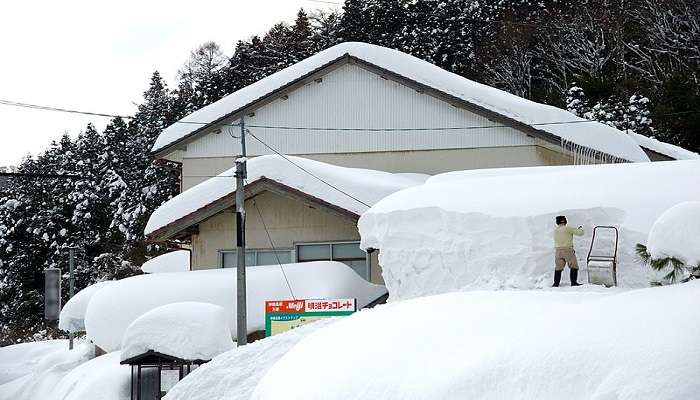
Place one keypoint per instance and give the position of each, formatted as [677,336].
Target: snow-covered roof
[367,186]
[667,149]
[113,308]
[72,314]
[187,330]
[175,261]
[592,135]
[639,344]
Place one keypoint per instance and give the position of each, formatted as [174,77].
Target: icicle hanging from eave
[584,155]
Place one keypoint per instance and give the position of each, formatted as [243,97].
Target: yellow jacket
[564,235]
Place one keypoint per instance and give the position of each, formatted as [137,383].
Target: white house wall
[352,97]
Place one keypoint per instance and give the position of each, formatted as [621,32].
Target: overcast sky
[91,56]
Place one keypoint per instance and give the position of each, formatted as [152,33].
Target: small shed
[153,374]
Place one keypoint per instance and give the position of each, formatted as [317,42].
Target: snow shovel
[602,263]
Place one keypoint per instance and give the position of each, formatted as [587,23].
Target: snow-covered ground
[235,374]
[175,261]
[20,359]
[563,344]
[113,308]
[493,228]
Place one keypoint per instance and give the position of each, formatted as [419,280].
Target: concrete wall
[197,170]
[289,222]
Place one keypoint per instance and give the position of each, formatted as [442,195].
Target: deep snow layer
[188,330]
[366,185]
[21,359]
[677,233]
[493,228]
[630,345]
[175,261]
[101,378]
[667,149]
[590,134]
[72,317]
[113,308]
[234,375]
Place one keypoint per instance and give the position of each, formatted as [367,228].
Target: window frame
[292,255]
[330,243]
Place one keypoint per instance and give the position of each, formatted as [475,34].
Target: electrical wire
[274,250]
[305,170]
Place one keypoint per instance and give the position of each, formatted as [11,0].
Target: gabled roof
[515,111]
[353,191]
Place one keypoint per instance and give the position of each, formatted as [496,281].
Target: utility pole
[241,174]
[71,285]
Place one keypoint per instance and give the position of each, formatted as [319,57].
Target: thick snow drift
[21,359]
[366,185]
[633,345]
[113,308]
[175,261]
[189,330]
[101,378]
[72,317]
[593,135]
[46,373]
[234,375]
[493,228]
[677,233]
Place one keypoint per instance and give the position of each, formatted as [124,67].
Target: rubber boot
[557,278]
[573,275]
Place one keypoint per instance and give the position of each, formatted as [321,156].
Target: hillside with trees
[631,64]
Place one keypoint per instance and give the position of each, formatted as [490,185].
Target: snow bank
[677,234]
[591,134]
[189,330]
[46,373]
[503,345]
[368,186]
[175,261]
[101,378]
[72,317]
[115,307]
[234,375]
[493,228]
[21,359]
[667,149]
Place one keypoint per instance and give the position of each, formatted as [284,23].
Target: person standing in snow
[564,253]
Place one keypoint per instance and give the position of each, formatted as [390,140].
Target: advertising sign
[284,315]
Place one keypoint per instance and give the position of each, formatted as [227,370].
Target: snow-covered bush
[673,244]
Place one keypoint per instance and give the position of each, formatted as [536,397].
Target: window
[229,258]
[348,253]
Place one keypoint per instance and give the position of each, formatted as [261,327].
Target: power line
[307,171]
[39,176]
[274,250]
[64,110]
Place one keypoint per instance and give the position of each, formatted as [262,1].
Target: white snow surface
[667,149]
[46,373]
[115,307]
[677,234]
[367,186]
[72,317]
[234,375]
[493,228]
[623,345]
[174,261]
[101,378]
[20,359]
[593,135]
[187,330]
